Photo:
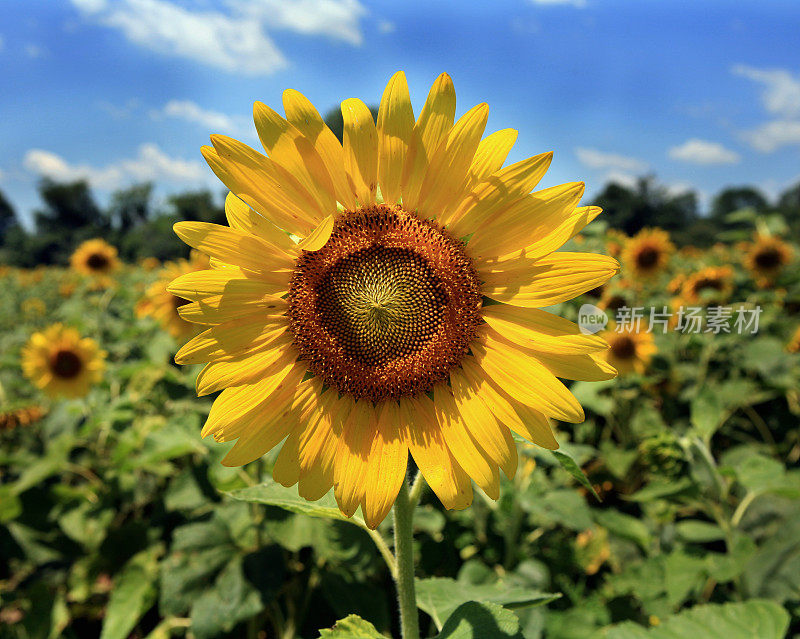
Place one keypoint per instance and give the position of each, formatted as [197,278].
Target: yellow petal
[352,457]
[386,468]
[288,147]
[320,236]
[277,356]
[492,152]
[233,246]
[287,467]
[497,192]
[218,309]
[234,284]
[360,149]
[492,436]
[586,368]
[395,126]
[433,458]
[527,220]
[540,330]
[526,379]
[265,186]
[431,129]
[302,114]
[447,169]
[243,218]
[232,339]
[469,453]
[547,281]
[535,427]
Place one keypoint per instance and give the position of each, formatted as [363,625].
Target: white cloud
[34,51]
[698,151]
[620,177]
[151,163]
[774,134]
[236,40]
[595,159]
[193,112]
[781,94]
[385,26]
[337,19]
[232,43]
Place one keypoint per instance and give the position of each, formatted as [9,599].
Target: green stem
[404,551]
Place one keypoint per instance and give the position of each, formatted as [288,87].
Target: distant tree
[789,207]
[7,215]
[646,204]
[68,207]
[335,121]
[131,206]
[198,206]
[737,198]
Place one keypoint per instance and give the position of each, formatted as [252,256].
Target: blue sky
[702,94]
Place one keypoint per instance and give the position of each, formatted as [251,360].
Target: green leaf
[706,412]
[762,475]
[624,526]
[747,620]
[352,627]
[440,597]
[272,493]
[133,594]
[658,489]
[476,620]
[568,464]
[699,531]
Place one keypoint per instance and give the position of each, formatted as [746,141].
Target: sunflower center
[97,261]
[624,347]
[768,259]
[707,284]
[647,257]
[66,364]
[387,307]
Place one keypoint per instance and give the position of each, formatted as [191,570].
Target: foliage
[117,520]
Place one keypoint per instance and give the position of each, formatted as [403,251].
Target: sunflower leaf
[569,464]
[351,627]
[475,620]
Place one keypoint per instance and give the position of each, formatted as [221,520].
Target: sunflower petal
[386,468]
[352,457]
[276,357]
[497,192]
[395,127]
[360,149]
[492,152]
[219,309]
[435,461]
[320,236]
[302,114]
[231,339]
[547,281]
[242,218]
[228,282]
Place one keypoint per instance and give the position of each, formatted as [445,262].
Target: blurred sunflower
[630,350]
[372,336]
[162,305]
[61,363]
[615,241]
[794,343]
[647,253]
[95,257]
[766,257]
[710,286]
[25,416]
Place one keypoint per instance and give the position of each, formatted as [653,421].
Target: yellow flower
[647,253]
[33,307]
[794,343]
[61,363]
[25,416]
[766,257]
[95,257]
[369,338]
[630,350]
[149,263]
[710,286]
[163,306]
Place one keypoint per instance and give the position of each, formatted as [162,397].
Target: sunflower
[766,257]
[382,330]
[629,350]
[615,241]
[61,363]
[710,286]
[25,416]
[162,305]
[95,257]
[647,253]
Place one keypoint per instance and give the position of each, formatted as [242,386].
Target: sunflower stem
[404,552]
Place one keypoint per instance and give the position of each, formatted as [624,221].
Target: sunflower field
[673,510]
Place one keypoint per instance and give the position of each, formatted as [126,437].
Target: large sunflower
[162,305]
[647,253]
[766,257]
[95,257]
[61,363]
[405,318]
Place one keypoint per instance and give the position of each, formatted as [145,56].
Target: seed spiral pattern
[387,307]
